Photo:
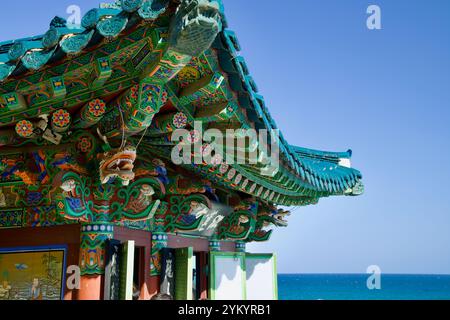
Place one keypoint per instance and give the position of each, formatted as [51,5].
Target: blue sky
[332,84]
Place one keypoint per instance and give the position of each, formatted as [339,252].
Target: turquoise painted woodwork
[131,5]
[152,9]
[110,28]
[5,70]
[152,67]
[76,43]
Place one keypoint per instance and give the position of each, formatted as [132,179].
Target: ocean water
[354,287]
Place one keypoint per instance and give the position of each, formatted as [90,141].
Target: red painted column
[203,275]
[92,259]
[90,288]
[154,285]
[159,241]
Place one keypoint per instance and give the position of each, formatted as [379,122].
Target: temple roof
[305,174]
[62,39]
[321,169]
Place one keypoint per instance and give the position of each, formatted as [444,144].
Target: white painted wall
[260,278]
[229,279]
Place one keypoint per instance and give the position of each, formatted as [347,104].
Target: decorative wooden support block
[24,129]
[13,101]
[90,114]
[144,60]
[102,72]
[61,120]
[208,85]
[58,87]
[217,112]
[170,122]
[223,126]
[150,98]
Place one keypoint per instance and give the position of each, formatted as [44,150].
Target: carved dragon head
[278,217]
[265,219]
[118,164]
[275,217]
[197,23]
[357,190]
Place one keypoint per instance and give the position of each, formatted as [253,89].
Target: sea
[354,287]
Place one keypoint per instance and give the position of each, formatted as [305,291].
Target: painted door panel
[261,277]
[227,276]
[183,273]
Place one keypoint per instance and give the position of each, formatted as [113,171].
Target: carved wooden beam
[217,112]
[208,84]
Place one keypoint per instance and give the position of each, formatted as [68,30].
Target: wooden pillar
[154,285]
[203,274]
[92,259]
[91,288]
[146,284]
[159,241]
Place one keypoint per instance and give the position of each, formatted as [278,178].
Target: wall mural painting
[32,274]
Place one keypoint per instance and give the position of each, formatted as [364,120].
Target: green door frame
[127,270]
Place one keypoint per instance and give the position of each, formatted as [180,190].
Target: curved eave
[321,170]
[318,172]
